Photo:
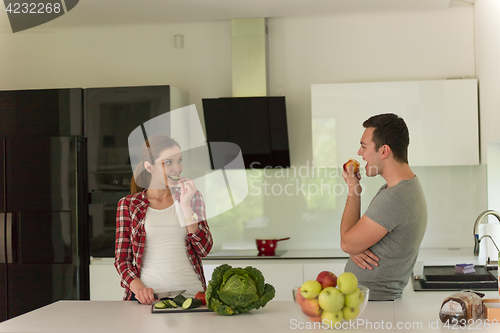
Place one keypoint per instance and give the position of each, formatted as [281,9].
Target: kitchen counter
[414,312]
[449,256]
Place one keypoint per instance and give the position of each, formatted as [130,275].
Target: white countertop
[414,312]
[429,256]
[448,256]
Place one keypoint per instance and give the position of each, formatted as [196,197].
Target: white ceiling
[115,12]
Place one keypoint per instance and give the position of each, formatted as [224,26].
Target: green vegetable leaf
[237,290]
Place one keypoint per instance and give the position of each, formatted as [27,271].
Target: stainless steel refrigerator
[44,253]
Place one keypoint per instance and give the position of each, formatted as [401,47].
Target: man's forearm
[351,213]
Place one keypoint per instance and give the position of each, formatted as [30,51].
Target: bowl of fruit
[331,300]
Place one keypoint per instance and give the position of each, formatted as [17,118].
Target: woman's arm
[199,234]
[123,247]
[201,240]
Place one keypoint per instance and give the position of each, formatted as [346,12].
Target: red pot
[268,246]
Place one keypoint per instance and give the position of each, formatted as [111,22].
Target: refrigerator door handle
[8,239]
[3,259]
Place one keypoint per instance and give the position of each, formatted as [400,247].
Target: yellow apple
[331,318]
[350,313]
[331,299]
[354,299]
[310,289]
[347,282]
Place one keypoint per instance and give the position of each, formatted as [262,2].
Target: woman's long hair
[150,151]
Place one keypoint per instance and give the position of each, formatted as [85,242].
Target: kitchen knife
[169,294]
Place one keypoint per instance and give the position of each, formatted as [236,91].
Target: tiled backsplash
[307,203]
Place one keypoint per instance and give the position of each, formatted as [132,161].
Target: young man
[383,244]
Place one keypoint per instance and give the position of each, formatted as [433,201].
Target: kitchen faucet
[476,227]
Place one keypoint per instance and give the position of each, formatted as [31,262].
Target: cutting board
[202,308]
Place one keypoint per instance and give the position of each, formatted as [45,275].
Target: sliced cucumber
[191,303]
[161,305]
[179,300]
[171,303]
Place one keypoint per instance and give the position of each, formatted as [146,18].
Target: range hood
[249,50]
[252,119]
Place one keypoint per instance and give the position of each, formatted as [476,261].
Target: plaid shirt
[131,236]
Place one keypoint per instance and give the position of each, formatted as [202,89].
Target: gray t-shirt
[402,210]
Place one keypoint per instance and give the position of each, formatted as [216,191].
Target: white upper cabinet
[442,117]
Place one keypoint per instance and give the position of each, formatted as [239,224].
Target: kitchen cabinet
[313,267]
[442,117]
[283,274]
[104,280]
[111,114]
[42,112]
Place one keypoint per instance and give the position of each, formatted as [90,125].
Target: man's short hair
[390,130]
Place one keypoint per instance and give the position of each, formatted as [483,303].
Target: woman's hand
[365,259]
[144,295]
[188,189]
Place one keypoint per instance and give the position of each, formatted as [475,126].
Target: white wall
[323,49]
[303,51]
[487,13]
[43,57]
[363,48]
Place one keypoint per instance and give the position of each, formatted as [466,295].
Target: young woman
[161,230]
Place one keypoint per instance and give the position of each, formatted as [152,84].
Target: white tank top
[165,263]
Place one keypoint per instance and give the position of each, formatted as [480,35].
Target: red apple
[299,298]
[354,163]
[327,279]
[311,307]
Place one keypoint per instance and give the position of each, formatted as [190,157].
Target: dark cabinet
[44,253]
[111,114]
[258,125]
[45,112]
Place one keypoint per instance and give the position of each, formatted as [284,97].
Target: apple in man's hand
[354,163]
[310,289]
[311,307]
[327,279]
[331,299]
[347,282]
[354,299]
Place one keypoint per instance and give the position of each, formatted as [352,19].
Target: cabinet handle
[3,259]
[8,231]
[11,241]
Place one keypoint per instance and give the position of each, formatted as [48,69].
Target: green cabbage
[237,290]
